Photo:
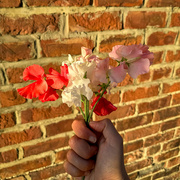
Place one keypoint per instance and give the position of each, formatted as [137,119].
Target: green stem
[82,112]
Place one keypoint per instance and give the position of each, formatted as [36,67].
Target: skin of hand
[96,152]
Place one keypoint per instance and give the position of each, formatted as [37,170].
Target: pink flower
[103,107]
[57,80]
[136,59]
[40,86]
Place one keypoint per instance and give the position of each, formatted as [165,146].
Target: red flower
[103,107]
[57,80]
[34,90]
[49,95]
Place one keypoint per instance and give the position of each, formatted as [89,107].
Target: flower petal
[103,107]
[33,72]
[33,90]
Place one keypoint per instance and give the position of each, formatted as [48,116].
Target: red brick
[178,72]
[140,133]
[153,150]
[176,99]
[114,98]
[94,21]
[158,57]
[133,157]
[16,51]
[60,127]
[121,112]
[127,81]
[122,3]
[143,77]
[173,56]
[168,88]
[175,20]
[33,24]
[133,122]
[161,38]
[153,140]
[166,113]
[45,146]
[11,138]
[58,3]
[7,120]
[163,3]
[54,48]
[170,124]
[139,93]
[159,175]
[133,146]
[177,134]
[153,105]
[171,144]
[61,156]
[37,114]
[107,44]
[9,4]
[11,98]
[133,176]
[167,155]
[162,73]
[173,162]
[138,165]
[24,167]
[144,19]
[8,156]
[47,172]
[19,178]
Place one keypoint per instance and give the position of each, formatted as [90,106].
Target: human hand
[96,152]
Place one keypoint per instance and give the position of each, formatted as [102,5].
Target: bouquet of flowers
[86,75]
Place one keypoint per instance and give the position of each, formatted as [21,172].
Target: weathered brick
[127,81]
[54,48]
[11,138]
[8,156]
[123,3]
[161,38]
[133,146]
[58,3]
[133,156]
[177,134]
[61,156]
[143,77]
[45,146]
[158,138]
[173,162]
[153,150]
[178,72]
[140,133]
[168,88]
[94,21]
[9,4]
[37,114]
[19,178]
[176,99]
[171,144]
[162,73]
[163,3]
[7,120]
[173,56]
[158,57]
[166,155]
[134,122]
[16,51]
[47,172]
[121,112]
[144,19]
[107,44]
[166,113]
[22,168]
[170,124]
[33,24]
[139,93]
[138,165]
[153,105]
[11,98]
[175,20]
[60,127]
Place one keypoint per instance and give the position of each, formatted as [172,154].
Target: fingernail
[92,139]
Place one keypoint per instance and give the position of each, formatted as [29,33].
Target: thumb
[106,128]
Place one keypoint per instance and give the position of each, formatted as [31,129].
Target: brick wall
[34,135]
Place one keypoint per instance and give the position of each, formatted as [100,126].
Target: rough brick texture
[163,3]
[9,4]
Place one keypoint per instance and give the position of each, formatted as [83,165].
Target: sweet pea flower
[39,87]
[135,59]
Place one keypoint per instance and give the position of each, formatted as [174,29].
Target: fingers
[82,131]
[82,148]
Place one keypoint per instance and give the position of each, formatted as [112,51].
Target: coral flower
[103,107]
[40,86]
